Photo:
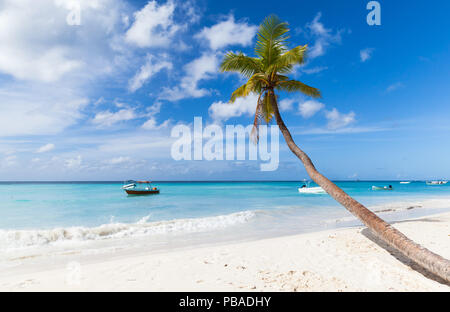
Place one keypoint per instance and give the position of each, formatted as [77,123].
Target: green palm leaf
[269,70]
[241,63]
[297,86]
[271,41]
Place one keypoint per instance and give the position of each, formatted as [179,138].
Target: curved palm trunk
[429,260]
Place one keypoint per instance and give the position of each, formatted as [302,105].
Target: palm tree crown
[268,71]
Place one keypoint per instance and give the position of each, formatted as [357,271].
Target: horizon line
[178,181]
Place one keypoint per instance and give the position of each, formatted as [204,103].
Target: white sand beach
[335,260]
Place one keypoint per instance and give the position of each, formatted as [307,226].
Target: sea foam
[11,239]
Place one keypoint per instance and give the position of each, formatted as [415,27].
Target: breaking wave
[25,238]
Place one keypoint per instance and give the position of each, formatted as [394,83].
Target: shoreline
[342,259]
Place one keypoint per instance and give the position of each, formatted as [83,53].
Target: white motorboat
[436,182]
[307,189]
[382,188]
[311,190]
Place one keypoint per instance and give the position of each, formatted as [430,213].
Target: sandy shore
[335,260]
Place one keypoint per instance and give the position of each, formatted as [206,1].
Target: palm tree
[266,74]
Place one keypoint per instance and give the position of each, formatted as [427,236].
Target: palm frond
[294,56]
[272,37]
[241,63]
[284,64]
[239,92]
[295,86]
[253,85]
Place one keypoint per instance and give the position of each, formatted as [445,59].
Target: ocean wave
[26,238]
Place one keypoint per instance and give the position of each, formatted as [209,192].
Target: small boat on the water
[306,189]
[382,188]
[132,187]
[311,190]
[436,182]
[405,182]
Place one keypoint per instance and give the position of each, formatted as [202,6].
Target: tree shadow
[400,257]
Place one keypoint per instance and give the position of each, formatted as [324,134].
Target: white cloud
[222,111]
[203,68]
[286,104]
[138,145]
[38,109]
[309,108]
[324,37]
[346,130]
[394,87]
[227,33]
[50,65]
[118,160]
[151,67]
[107,118]
[39,45]
[151,124]
[46,148]
[365,54]
[337,120]
[314,70]
[9,161]
[72,163]
[153,25]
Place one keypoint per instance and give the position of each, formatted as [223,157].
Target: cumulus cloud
[118,160]
[46,62]
[107,118]
[46,148]
[39,45]
[38,109]
[228,32]
[323,36]
[151,124]
[153,25]
[365,54]
[337,120]
[222,111]
[286,104]
[309,108]
[73,163]
[203,68]
[151,67]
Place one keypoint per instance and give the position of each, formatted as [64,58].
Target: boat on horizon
[132,187]
[405,182]
[437,182]
[382,188]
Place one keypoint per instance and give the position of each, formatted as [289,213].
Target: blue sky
[97,101]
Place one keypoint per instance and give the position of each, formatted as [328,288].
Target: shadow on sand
[400,257]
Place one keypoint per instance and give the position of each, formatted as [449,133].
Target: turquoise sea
[94,215]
